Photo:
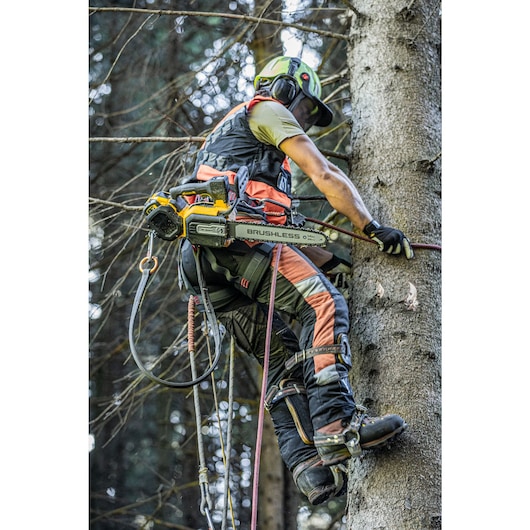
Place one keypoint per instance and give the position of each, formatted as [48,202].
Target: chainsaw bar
[276,234]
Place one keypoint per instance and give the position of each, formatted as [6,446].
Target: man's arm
[342,194]
[328,178]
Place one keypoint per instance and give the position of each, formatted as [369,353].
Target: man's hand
[390,240]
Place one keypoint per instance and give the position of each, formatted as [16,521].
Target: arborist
[309,397]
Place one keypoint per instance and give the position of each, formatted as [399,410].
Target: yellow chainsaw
[210,219]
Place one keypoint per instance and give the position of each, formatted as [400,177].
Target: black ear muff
[284,89]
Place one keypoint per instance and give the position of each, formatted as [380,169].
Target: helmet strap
[294,64]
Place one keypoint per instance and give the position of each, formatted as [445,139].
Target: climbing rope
[265,375]
[206,501]
[225,450]
[226,461]
[357,236]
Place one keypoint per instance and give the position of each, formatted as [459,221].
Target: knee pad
[319,482]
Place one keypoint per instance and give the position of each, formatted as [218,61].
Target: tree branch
[140,139]
[199,139]
[353,8]
[257,20]
[93,200]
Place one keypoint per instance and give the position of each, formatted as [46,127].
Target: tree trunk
[394,67]
[272,512]
[266,37]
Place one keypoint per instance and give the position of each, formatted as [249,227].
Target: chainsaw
[210,220]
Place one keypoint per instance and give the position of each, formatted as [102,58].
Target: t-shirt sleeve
[271,123]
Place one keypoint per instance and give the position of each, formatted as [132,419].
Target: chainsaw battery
[164,221]
[206,230]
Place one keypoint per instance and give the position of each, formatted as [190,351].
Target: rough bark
[272,510]
[394,68]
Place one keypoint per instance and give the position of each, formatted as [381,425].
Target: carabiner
[149,256]
[154,259]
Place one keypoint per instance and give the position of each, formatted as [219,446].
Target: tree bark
[394,68]
[272,513]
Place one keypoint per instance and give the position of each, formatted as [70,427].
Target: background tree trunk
[273,513]
[266,37]
[394,68]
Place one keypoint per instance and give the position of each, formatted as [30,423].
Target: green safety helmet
[288,79]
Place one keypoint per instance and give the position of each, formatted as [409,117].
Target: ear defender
[284,88]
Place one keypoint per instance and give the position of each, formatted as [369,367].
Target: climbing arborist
[317,423]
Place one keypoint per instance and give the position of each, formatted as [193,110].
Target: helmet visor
[306,110]
[325,114]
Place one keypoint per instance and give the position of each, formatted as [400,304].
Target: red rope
[261,415]
[191,324]
[357,236]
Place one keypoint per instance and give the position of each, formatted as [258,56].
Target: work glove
[390,240]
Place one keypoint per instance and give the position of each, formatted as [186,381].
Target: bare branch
[140,139]
[93,200]
[249,18]
[121,51]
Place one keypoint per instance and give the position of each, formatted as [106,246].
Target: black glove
[390,240]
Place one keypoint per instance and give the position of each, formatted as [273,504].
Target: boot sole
[385,439]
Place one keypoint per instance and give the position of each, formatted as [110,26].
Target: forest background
[45,410]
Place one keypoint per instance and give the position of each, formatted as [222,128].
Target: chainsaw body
[210,219]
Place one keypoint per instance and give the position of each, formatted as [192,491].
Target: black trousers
[305,294]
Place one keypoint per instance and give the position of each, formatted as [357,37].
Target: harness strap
[140,293]
[311,352]
[257,262]
[295,407]
[276,393]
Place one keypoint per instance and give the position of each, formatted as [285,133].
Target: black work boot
[319,482]
[363,432]
[377,431]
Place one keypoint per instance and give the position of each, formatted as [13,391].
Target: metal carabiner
[149,256]
[154,259]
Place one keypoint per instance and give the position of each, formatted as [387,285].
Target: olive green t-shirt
[271,123]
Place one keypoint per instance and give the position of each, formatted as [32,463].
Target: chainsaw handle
[216,188]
